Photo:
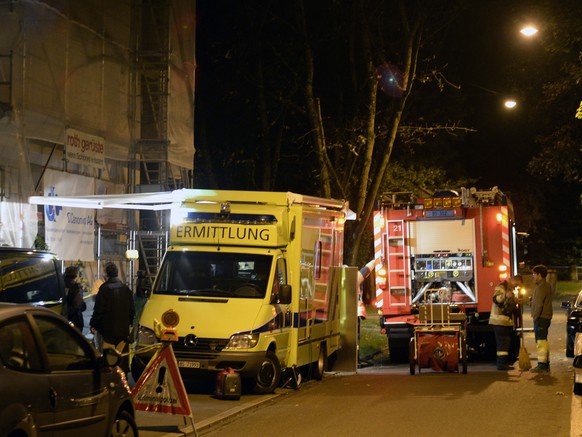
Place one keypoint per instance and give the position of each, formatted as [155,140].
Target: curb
[233,412]
[163,428]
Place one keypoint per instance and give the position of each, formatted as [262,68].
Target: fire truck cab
[457,243]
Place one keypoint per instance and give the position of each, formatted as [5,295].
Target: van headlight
[146,336]
[242,341]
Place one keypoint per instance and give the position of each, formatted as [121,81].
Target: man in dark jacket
[541,313]
[113,312]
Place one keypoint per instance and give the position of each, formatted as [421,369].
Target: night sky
[480,45]
[485,59]
[485,44]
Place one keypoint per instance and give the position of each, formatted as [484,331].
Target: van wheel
[124,425]
[269,374]
[321,364]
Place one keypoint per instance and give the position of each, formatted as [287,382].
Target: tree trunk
[368,197]
[314,112]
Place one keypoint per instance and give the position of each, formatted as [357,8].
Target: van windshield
[214,274]
[29,279]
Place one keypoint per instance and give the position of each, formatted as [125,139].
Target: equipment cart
[439,341]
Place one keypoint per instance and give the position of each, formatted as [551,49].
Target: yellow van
[254,278]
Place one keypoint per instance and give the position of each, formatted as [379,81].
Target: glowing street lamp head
[510,103]
[528,31]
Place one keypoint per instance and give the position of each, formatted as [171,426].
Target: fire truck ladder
[397,261]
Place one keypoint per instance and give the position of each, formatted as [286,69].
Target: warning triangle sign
[160,388]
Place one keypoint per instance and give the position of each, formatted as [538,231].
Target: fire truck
[455,245]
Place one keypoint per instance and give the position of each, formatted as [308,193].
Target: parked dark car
[573,324]
[31,276]
[54,382]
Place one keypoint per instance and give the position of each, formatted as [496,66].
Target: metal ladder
[151,44]
[397,262]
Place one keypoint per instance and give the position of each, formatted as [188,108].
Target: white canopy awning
[139,201]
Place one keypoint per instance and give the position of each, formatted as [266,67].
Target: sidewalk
[206,411]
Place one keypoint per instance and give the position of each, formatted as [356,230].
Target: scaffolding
[151,40]
[118,71]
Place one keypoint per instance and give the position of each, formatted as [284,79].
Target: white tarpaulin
[69,232]
[72,68]
[18,221]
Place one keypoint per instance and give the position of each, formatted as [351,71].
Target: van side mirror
[577,361]
[285,294]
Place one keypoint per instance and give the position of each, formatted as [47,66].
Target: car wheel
[269,374]
[578,388]
[123,425]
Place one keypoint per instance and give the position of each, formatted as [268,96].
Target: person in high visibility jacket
[541,313]
[363,273]
[502,318]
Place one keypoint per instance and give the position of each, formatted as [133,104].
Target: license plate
[189,364]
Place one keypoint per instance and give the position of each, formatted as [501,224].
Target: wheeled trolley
[439,341]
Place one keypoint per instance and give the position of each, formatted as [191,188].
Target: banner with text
[69,232]
[85,149]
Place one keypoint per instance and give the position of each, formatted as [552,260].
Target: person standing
[75,303]
[502,318]
[363,273]
[541,313]
[114,312]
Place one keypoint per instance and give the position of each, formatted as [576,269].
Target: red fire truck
[460,241]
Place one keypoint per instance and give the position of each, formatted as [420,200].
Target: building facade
[96,97]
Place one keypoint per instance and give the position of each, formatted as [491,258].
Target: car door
[25,402]
[78,392]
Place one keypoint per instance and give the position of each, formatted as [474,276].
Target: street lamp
[529,30]
[510,103]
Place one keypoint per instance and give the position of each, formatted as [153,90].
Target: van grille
[203,345]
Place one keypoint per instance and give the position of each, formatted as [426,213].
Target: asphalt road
[388,400]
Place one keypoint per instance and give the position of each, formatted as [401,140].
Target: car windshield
[26,279]
[214,274]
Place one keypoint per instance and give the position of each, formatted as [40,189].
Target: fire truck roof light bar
[443,199]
